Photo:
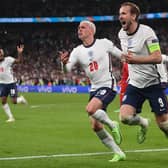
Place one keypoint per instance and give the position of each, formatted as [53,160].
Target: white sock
[143,121]
[102,117]
[135,120]
[138,120]
[7,110]
[19,99]
[108,141]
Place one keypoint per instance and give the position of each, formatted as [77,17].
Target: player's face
[125,17]
[84,31]
[1,54]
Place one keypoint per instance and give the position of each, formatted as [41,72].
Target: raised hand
[64,56]
[20,48]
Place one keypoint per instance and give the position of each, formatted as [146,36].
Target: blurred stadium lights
[160,15]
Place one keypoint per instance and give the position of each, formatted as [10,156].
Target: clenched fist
[64,56]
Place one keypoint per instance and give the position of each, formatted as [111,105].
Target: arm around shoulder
[153,58]
[115,51]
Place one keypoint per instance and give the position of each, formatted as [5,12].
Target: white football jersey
[141,75]
[6,72]
[96,62]
[163,72]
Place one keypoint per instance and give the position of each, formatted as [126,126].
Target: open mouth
[123,23]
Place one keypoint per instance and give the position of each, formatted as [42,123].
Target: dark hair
[134,9]
[1,47]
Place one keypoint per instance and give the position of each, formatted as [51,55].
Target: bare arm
[20,49]
[153,58]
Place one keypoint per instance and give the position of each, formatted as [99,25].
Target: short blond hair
[91,24]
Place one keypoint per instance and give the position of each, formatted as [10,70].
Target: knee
[4,102]
[14,100]
[126,114]
[164,126]
[90,109]
[125,119]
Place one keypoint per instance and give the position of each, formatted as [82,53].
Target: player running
[93,56]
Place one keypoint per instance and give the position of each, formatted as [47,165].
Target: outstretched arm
[20,49]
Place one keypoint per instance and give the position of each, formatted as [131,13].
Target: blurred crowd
[43,42]
[39,8]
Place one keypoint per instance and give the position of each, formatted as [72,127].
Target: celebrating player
[143,53]
[93,56]
[8,83]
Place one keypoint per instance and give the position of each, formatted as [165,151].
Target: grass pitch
[54,131]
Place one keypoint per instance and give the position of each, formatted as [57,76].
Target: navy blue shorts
[154,94]
[8,89]
[105,94]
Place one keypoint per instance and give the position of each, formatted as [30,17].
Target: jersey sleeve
[164,58]
[152,41]
[113,49]
[72,60]
[10,60]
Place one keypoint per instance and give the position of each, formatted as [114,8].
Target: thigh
[93,105]
[133,97]
[12,90]
[140,104]
[105,95]
[157,100]
[4,91]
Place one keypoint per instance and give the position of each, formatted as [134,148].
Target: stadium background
[53,130]
[43,39]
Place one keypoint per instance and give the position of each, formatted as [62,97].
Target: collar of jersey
[90,44]
[130,34]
